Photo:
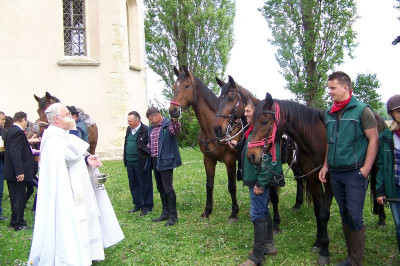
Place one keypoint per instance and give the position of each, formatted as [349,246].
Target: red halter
[175,103]
[271,139]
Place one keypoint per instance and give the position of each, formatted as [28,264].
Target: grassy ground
[194,240]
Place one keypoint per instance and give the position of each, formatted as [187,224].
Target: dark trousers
[29,191]
[141,186]
[350,189]
[1,184]
[17,191]
[163,179]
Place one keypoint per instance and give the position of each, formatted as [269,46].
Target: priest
[69,227]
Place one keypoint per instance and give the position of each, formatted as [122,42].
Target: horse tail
[93,136]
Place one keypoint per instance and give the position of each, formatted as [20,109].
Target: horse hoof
[315,249]
[232,220]
[205,215]
[296,208]
[323,260]
[382,226]
[277,232]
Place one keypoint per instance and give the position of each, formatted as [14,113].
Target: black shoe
[134,210]
[23,228]
[144,212]
[3,218]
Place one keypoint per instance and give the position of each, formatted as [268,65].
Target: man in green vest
[352,138]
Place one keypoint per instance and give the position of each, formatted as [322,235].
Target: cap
[72,109]
[393,102]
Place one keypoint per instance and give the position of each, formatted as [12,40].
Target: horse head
[43,104]
[265,122]
[231,104]
[184,92]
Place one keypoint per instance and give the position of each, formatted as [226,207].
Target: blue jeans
[350,189]
[141,187]
[395,207]
[258,204]
[1,184]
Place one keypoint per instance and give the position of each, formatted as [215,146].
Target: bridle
[269,143]
[233,122]
[178,104]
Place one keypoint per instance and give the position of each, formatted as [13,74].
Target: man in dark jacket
[18,169]
[165,157]
[136,153]
[3,133]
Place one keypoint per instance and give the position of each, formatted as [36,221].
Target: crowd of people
[87,223]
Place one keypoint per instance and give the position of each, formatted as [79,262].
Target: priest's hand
[94,161]
[70,123]
[20,178]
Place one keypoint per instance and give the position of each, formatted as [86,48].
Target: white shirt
[133,131]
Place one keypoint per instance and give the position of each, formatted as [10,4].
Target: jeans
[350,189]
[395,207]
[1,184]
[141,187]
[164,179]
[258,204]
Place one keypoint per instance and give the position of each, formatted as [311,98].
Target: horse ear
[268,100]
[254,100]
[219,82]
[231,81]
[36,98]
[48,96]
[176,71]
[186,70]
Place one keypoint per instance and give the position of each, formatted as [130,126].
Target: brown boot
[357,246]
[346,233]
[248,262]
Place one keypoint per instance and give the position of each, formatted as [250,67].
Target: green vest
[347,143]
[265,177]
[131,149]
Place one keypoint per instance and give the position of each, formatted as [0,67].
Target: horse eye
[265,122]
[187,87]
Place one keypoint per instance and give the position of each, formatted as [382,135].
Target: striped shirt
[174,129]
[396,158]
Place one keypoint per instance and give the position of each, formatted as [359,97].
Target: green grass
[194,240]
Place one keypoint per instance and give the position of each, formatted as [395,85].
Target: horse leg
[230,164]
[274,197]
[324,254]
[377,208]
[209,165]
[299,193]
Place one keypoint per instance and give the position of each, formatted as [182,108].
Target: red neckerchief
[397,132]
[337,106]
[249,131]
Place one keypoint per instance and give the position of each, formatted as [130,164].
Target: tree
[365,87]
[197,33]
[312,37]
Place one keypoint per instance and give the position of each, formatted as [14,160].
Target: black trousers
[17,191]
[163,179]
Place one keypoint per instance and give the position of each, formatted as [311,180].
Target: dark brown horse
[45,102]
[191,91]
[230,119]
[306,127]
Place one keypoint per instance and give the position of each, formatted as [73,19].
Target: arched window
[133,27]
[74,28]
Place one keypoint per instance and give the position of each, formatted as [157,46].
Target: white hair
[53,111]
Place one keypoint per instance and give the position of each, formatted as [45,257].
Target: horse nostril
[252,158]
[217,130]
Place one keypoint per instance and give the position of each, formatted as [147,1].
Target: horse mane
[298,114]
[208,95]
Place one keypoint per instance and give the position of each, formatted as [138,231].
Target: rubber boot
[357,246]
[346,233]
[257,255]
[269,248]
[173,214]
[165,210]
[398,242]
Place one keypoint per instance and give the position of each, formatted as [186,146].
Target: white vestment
[67,227]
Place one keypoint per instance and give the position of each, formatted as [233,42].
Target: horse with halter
[305,125]
[230,121]
[191,91]
[48,100]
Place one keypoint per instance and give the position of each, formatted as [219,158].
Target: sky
[252,63]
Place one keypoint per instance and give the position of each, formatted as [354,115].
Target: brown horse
[230,119]
[45,102]
[306,127]
[191,91]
